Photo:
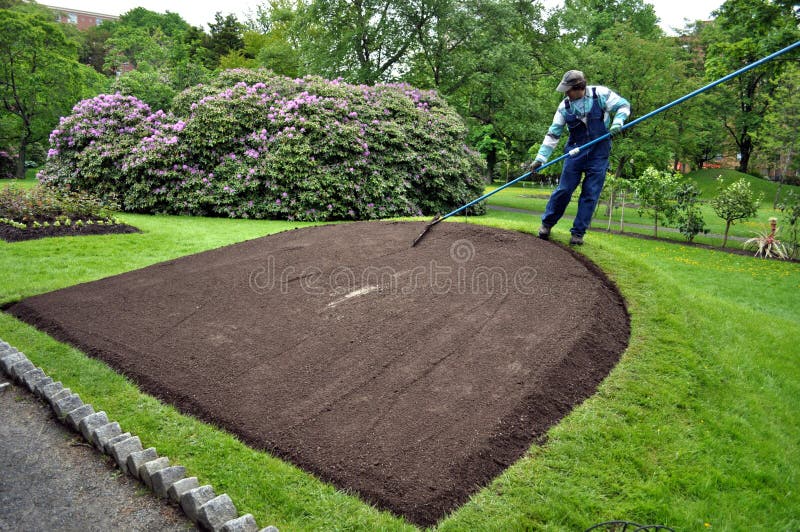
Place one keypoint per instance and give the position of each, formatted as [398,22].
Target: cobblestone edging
[201,504]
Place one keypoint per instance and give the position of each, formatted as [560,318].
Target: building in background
[82,19]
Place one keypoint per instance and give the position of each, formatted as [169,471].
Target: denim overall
[593,162]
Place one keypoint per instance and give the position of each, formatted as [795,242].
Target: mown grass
[707,182]
[29,181]
[534,197]
[695,428]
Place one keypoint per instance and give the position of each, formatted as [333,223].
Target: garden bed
[40,212]
[411,376]
[15,234]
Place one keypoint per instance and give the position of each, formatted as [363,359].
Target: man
[586,113]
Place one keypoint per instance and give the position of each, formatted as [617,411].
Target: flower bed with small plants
[39,212]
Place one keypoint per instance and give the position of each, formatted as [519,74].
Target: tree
[226,34]
[696,135]
[790,209]
[653,74]
[170,24]
[614,189]
[699,135]
[136,46]
[686,215]
[486,57]
[34,54]
[583,21]
[363,41]
[780,129]
[147,85]
[743,32]
[194,46]
[93,48]
[273,39]
[656,192]
[168,55]
[735,202]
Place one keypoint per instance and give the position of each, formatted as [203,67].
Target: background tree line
[496,61]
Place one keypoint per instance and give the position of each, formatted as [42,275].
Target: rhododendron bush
[252,144]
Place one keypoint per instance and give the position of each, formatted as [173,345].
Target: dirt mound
[410,375]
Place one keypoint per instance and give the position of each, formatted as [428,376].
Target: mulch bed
[412,376]
[14,234]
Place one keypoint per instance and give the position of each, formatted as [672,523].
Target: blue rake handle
[629,125]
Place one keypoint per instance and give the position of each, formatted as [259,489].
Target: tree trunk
[746,148]
[782,178]
[23,154]
[491,162]
[620,166]
[725,238]
[777,193]
[655,227]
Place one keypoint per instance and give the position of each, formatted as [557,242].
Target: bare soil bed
[412,376]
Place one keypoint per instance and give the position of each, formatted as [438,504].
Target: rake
[574,152]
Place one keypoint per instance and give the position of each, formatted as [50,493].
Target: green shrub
[252,144]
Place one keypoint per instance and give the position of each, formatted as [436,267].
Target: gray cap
[570,79]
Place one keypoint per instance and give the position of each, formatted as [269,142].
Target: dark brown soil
[13,234]
[412,376]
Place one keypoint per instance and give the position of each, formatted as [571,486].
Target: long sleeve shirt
[609,101]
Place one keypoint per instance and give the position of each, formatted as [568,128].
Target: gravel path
[50,479]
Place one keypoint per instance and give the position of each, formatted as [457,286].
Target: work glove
[615,129]
[534,166]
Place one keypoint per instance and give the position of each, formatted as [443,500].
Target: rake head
[436,220]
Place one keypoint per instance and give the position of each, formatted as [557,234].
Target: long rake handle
[626,126]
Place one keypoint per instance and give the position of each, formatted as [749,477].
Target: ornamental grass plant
[766,243]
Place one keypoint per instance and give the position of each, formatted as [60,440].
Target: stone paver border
[201,504]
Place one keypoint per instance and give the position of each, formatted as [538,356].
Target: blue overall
[593,162]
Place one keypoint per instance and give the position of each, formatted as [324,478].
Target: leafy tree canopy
[744,32]
[34,53]
[585,20]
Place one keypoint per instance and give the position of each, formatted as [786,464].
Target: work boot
[544,232]
[576,240]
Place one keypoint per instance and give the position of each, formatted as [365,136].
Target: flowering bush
[252,144]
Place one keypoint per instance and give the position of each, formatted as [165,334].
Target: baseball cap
[570,79]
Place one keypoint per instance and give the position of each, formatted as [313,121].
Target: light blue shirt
[609,101]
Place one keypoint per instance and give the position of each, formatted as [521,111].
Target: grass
[534,198]
[707,183]
[695,428]
[29,181]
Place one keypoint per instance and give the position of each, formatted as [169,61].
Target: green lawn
[707,182]
[29,181]
[696,427]
[533,197]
